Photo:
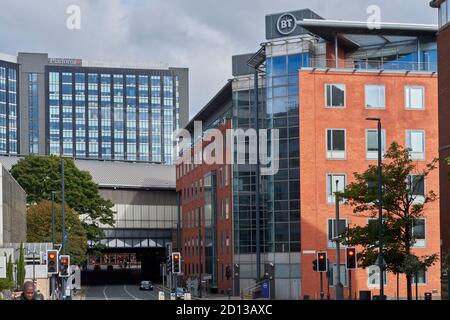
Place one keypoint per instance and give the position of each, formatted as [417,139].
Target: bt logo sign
[286,24]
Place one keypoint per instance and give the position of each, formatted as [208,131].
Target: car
[179,293]
[146,285]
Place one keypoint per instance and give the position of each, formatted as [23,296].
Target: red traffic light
[321,256]
[51,256]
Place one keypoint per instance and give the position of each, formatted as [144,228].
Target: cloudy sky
[199,34]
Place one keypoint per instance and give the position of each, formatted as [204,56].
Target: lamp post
[380,209]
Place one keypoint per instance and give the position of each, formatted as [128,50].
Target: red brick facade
[190,185]
[316,118]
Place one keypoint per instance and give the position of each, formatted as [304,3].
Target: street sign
[172,296]
[162,296]
[2,267]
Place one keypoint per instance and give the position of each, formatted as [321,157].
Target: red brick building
[334,106]
[443,38]
[206,201]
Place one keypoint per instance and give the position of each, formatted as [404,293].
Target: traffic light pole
[321,286]
[338,288]
[349,284]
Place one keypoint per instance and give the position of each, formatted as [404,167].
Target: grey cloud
[199,34]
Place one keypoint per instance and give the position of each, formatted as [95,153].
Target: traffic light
[315,265]
[228,272]
[64,263]
[52,262]
[169,264]
[351,259]
[176,263]
[322,262]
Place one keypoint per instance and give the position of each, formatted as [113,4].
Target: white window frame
[384,96]
[421,284]
[408,97]
[421,243]
[377,285]
[332,244]
[416,155]
[336,155]
[373,155]
[420,199]
[331,199]
[343,86]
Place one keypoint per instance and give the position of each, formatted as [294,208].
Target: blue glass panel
[279,66]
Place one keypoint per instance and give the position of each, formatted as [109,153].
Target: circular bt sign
[286,23]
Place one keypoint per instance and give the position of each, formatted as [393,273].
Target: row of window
[373,276]
[444,13]
[375,96]
[418,231]
[193,245]
[337,146]
[196,191]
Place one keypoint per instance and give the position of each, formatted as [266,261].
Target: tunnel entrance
[124,266]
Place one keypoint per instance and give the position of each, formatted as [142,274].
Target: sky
[201,35]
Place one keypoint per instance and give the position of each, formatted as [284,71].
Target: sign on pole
[162,296]
[2,267]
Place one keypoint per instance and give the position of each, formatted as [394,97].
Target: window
[336,144]
[372,143]
[227,208]
[335,95]
[416,184]
[418,232]
[414,97]
[343,271]
[375,96]
[331,186]
[421,276]
[374,276]
[415,141]
[332,233]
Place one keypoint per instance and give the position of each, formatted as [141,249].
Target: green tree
[39,176]
[21,266]
[39,228]
[8,282]
[401,209]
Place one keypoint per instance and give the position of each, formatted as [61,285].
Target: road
[120,292]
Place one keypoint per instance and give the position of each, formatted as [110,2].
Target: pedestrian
[29,292]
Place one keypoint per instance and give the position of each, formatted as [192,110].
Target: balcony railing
[368,64]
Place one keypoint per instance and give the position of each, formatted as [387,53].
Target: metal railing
[369,64]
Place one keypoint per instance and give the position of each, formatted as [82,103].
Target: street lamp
[380,209]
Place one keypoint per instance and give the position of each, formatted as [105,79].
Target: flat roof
[328,29]
[436,3]
[212,106]
[122,175]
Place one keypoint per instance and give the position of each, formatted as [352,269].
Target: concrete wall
[31,63]
[13,220]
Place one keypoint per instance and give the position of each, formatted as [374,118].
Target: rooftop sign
[62,61]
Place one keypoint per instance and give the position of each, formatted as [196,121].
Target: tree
[8,282]
[401,208]
[21,266]
[39,176]
[39,228]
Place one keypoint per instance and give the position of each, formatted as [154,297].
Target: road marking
[104,293]
[128,293]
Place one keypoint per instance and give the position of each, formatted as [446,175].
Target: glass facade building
[112,114]
[8,108]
